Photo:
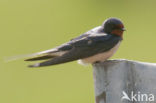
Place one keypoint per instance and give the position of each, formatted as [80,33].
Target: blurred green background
[28,26]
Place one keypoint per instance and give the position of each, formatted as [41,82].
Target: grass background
[28,26]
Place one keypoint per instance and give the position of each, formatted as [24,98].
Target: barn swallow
[96,45]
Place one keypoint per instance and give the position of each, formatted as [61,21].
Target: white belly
[100,57]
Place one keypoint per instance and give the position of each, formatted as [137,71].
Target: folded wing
[77,49]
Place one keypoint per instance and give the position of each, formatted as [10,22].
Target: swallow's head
[114,26]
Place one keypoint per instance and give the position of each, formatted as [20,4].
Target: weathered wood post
[124,81]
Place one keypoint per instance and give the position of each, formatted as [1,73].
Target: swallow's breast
[101,56]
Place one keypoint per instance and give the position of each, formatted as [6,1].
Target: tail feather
[12,58]
[55,60]
[40,58]
[38,54]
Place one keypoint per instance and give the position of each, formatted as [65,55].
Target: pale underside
[99,57]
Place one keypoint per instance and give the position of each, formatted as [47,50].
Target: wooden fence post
[125,81]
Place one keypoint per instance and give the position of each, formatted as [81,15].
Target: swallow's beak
[123,29]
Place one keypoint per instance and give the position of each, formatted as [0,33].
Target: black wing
[58,51]
[82,48]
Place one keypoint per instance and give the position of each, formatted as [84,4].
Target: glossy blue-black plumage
[97,40]
[83,47]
